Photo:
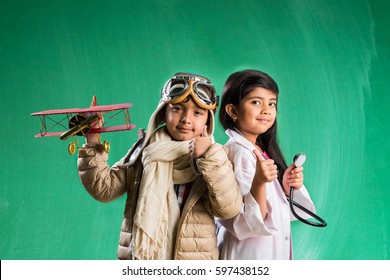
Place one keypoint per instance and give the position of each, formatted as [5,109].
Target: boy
[176,177]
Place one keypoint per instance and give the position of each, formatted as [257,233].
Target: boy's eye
[176,108]
[199,113]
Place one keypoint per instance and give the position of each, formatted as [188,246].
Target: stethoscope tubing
[322,222]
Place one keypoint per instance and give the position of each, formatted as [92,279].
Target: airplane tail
[93,101]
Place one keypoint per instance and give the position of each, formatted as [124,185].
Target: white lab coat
[248,236]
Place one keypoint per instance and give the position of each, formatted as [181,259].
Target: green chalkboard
[331,60]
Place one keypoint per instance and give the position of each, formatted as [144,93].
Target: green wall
[330,59]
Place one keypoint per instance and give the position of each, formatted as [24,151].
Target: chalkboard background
[330,59]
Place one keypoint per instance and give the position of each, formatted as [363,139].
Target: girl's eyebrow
[259,97]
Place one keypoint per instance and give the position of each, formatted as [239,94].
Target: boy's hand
[199,145]
[94,139]
[266,170]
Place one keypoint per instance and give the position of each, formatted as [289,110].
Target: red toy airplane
[79,121]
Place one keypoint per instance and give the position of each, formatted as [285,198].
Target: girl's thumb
[258,155]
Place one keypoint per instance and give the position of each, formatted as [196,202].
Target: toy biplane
[82,121]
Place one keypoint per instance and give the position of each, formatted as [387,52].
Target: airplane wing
[113,128]
[93,130]
[47,134]
[94,109]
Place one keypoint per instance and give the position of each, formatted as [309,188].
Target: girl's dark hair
[236,87]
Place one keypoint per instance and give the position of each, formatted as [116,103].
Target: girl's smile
[265,121]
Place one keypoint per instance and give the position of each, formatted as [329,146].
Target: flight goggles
[182,85]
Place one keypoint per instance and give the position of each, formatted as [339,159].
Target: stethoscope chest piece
[299,159]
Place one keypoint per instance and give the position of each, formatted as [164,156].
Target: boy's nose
[185,119]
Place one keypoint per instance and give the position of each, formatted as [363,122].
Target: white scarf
[165,163]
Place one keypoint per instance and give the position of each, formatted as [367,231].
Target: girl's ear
[231,111]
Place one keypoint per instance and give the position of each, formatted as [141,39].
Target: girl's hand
[266,170]
[292,177]
[199,145]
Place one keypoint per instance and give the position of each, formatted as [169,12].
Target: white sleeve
[249,222]
[302,197]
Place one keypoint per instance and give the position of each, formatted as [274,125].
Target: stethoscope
[299,160]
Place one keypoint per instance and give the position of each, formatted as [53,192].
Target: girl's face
[185,120]
[256,113]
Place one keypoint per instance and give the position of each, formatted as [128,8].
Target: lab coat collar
[236,136]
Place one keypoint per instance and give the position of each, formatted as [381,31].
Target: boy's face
[185,120]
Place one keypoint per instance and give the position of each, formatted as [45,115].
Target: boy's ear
[231,111]
[160,117]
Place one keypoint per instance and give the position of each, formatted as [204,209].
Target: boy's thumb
[204,132]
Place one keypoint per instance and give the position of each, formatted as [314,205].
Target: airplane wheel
[71,148]
[106,146]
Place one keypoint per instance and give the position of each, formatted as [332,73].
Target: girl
[248,114]
[176,178]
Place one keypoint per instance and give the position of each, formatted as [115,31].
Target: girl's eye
[256,102]
[272,104]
